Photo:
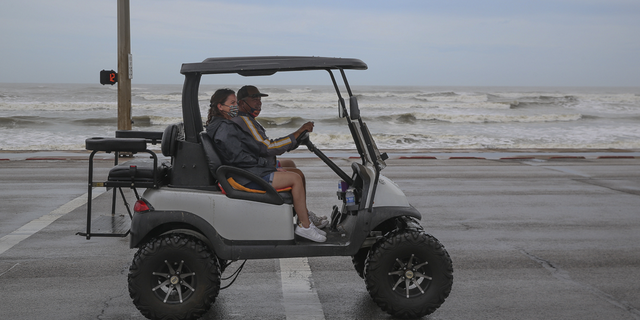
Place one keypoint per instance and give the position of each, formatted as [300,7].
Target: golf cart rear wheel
[174,276]
[408,274]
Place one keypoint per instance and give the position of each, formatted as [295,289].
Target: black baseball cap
[249,92]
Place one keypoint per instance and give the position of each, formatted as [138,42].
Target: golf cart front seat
[221,174]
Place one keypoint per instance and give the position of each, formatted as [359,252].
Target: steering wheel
[301,139]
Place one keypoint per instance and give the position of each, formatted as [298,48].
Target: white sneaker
[318,230]
[321,232]
[310,233]
[319,222]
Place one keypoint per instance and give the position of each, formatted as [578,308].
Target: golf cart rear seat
[139,173]
[221,174]
[142,173]
[146,173]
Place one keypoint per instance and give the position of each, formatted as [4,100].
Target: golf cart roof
[264,66]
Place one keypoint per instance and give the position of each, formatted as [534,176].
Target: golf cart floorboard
[117,224]
[335,238]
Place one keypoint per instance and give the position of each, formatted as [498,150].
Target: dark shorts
[268,178]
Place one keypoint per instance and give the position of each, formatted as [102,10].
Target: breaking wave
[415,117]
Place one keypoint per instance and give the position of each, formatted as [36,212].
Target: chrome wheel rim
[175,282]
[410,277]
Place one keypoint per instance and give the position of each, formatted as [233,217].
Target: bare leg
[293,180]
[299,172]
[289,165]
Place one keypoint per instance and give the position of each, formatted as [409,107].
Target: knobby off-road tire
[174,276]
[359,260]
[408,274]
[393,225]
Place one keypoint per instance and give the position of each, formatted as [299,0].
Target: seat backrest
[169,140]
[216,170]
[213,160]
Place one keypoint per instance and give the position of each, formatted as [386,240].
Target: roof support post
[191,107]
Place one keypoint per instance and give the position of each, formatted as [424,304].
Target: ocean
[62,116]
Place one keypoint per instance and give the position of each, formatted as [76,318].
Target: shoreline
[438,154]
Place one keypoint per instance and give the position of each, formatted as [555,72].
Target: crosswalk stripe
[300,297]
[15,237]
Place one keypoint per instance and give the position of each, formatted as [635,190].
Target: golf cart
[190,222]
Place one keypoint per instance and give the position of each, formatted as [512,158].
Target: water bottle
[351,199]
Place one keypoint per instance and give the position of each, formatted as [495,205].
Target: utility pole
[125,72]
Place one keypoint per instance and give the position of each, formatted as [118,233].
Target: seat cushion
[140,169]
[285,193]
[240,187]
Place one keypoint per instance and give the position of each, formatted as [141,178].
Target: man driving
[250,105]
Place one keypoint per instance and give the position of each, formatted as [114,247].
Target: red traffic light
[108,77]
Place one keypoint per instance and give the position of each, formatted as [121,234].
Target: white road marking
[15,265]
[15,237]
[300,297]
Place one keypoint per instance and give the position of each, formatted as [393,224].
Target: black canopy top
[263,66]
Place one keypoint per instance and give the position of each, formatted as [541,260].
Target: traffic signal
[108,77]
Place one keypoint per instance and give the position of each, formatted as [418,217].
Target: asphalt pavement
[531,236]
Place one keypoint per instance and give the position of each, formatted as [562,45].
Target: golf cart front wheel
[409,274]
[174,276]
[359,260]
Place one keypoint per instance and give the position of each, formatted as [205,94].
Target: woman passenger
[237,148]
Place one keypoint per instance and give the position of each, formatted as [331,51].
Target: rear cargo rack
[138,173]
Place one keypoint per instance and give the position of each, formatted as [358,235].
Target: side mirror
[354,110]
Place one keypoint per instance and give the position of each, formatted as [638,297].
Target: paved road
[530,239]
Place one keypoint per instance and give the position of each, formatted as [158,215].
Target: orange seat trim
[240,187]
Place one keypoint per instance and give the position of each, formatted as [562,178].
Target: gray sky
[404,42]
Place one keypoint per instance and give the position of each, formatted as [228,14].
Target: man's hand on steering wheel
[305,127]
[302,134]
